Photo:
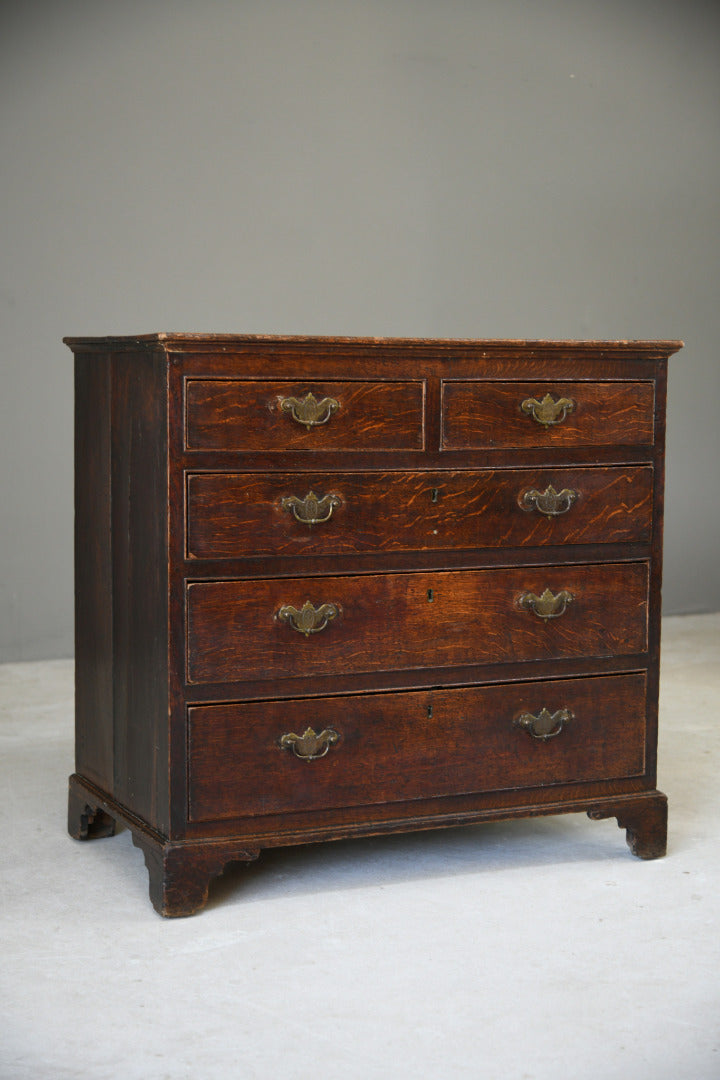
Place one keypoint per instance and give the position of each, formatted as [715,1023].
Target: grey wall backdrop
[498,168]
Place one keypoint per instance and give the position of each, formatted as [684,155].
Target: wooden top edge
[200,342]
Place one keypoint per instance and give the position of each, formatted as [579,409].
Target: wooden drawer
[235,414]
[231,515]
[389,748]
[482,414]
[242,629]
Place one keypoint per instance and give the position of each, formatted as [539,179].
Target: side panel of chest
[121,575]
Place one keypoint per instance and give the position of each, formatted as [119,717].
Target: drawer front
[271,628]
[388,748]
[231,515]
[485,414]
[233,414]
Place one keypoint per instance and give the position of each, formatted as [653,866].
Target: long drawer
[277,627]
[231,515]
[251,759]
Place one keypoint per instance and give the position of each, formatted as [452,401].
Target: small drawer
[243,630]
[235,414]
[286,756]
[236,515]
[482,414]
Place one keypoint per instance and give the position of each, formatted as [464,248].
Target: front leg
[645,820]
[180,874]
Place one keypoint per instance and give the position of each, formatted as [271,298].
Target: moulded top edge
[195,342]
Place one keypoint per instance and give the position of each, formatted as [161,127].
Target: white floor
[522,950]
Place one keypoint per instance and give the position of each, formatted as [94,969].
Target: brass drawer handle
[311,510]
[550,502]
[548,411]
[309,411]
[545,725]
[308,620]
[309,746]
[546,606]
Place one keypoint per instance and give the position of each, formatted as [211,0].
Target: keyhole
[431,596]
[434,495]
[429,712]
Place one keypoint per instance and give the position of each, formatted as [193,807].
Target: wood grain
[230,414]
[93,573]
[396,747]
[231,515]
[483,413]
[396,621]
[140,586]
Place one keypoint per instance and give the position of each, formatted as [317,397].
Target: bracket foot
[645,820]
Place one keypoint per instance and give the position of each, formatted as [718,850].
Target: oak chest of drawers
[340,587]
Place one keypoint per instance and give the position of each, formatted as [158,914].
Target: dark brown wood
[488,414]
[644,820]
[396,621]
[87,820]
[185,553]
[409,746]
[234,415]
[93,573]
[180,874]
[140,589]
[231,515]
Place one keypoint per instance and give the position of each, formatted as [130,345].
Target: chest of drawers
[341,587]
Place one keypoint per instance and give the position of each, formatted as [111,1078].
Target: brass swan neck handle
[313,509]
[550,502]
[308,619]
[545,725]
[310,410]
[548,605]
[309,746]
[548,411]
